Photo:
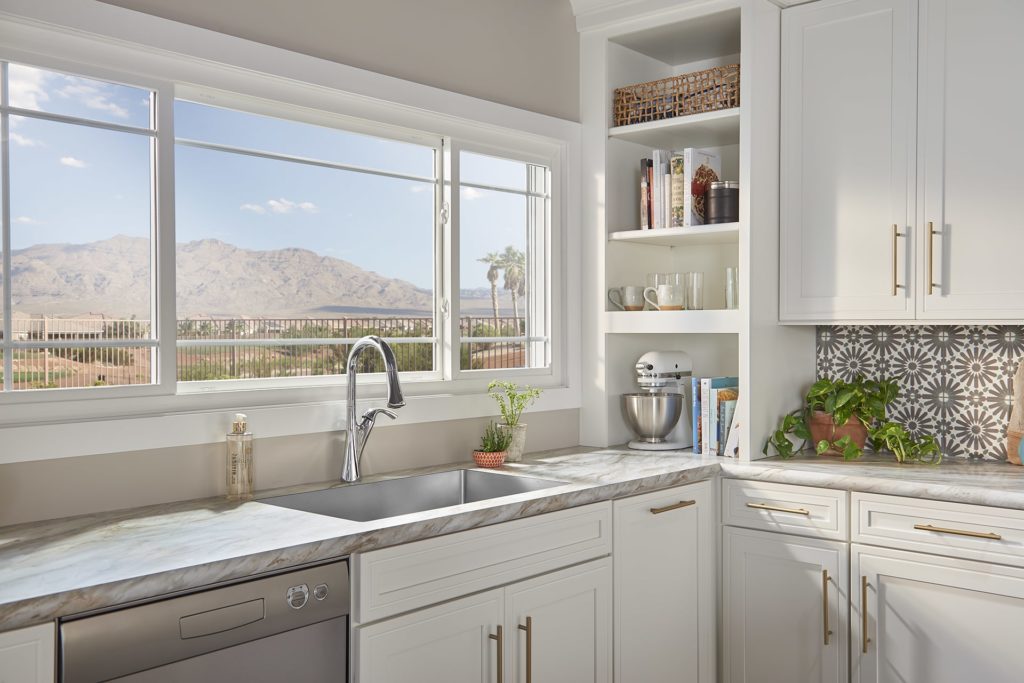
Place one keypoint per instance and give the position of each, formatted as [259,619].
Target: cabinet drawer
[406,577]
[801,510]
[955,529]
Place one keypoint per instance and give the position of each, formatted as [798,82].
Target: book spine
[678,193]
[666,220]
[695,413]
[645,210]
[705,415]
[713,423]
[656,189]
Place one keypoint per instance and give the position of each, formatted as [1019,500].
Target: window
[296,231]
[78,232]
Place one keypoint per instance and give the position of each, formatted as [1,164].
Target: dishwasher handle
[222,619]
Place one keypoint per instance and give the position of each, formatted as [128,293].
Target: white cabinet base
[27,655]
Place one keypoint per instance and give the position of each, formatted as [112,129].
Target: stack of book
[714,415]
[673,185]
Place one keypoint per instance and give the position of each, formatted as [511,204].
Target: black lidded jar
[723,202]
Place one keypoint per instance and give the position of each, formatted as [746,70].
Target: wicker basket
[693,93]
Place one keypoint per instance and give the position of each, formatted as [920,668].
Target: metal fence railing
[241,348]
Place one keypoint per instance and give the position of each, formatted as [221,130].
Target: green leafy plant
[863,400]
[512,400]
[496,439]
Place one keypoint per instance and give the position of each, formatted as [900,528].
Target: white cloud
[254,208]
[283,205]
[26,220]
[72,162]
[92,97]
[471,193]
[27,86]
[417,188]
[24,141]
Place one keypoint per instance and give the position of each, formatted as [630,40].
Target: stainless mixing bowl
[652,416]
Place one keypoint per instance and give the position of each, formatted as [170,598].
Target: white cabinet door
[559,626]
[665,586]
[449,643]
[972,144]
[27,655]
[785,608]
[847,169]
[935,619]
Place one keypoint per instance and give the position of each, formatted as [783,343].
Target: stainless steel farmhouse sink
[393,497]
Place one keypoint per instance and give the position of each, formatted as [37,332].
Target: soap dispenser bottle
[239,461]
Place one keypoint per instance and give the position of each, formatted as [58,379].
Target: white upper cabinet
[971,150]
[871,91]
[848,97]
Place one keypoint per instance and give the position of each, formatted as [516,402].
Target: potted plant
[493,446]
[840,418]
[512,401]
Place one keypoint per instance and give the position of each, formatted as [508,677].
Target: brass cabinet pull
[931,257]
[673,506]
[824,602]
[777,508]
[529,648]
[896,234]
[864,640]
[959,532]
[500,637]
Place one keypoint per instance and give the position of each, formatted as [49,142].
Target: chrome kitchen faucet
[358,433]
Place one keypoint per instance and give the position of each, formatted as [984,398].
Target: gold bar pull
[500,637]
[864,640]
[896,234]
[931,257]
[959,532]
[673,506]
[776,508]
[824,603]
[529,648]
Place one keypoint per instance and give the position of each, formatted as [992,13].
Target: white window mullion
[163,242]
[452,286]
[5,242]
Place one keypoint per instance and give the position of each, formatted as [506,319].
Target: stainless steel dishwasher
[287,627]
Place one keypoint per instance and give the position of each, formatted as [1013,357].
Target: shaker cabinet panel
[848,99]
[971,144]
[27,655]
[935,619]
[785,608]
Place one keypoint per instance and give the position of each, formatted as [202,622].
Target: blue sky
[77,184]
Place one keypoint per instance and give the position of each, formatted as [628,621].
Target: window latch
[445,213]
[445,308]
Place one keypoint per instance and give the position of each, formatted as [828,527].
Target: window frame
[91,44]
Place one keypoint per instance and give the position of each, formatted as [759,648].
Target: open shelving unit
[771,361]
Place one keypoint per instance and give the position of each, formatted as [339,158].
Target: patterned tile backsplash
[956,381]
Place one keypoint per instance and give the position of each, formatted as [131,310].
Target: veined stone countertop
[68,566]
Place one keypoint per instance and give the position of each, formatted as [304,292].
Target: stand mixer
[659,415]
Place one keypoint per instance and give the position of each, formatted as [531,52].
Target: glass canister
[722,203]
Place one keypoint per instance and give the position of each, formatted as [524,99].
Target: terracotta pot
[822,427]
[1014,454]
[490,460]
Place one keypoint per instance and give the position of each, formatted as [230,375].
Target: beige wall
[47,489]
[524,53]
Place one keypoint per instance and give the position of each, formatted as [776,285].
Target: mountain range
[215,279]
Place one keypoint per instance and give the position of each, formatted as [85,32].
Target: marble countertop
[78,564]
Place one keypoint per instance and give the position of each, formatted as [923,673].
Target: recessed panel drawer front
[974,532]
[801,510]
[407,577]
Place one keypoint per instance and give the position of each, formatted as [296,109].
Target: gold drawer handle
[500,638]
[864,640]
[959,532]
[673,506]
[777,508]
[528,628]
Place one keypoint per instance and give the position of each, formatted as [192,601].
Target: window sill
[143,432]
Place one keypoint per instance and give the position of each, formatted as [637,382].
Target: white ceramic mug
[630,298]
[666,297]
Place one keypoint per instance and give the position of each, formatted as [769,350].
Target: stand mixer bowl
[652,416]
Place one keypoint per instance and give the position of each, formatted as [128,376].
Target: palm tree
[493,259]
[513,262]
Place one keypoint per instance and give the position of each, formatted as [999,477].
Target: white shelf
[673,322]
[710,129]
[720,233]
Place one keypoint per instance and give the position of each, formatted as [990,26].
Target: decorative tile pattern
[955,380]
